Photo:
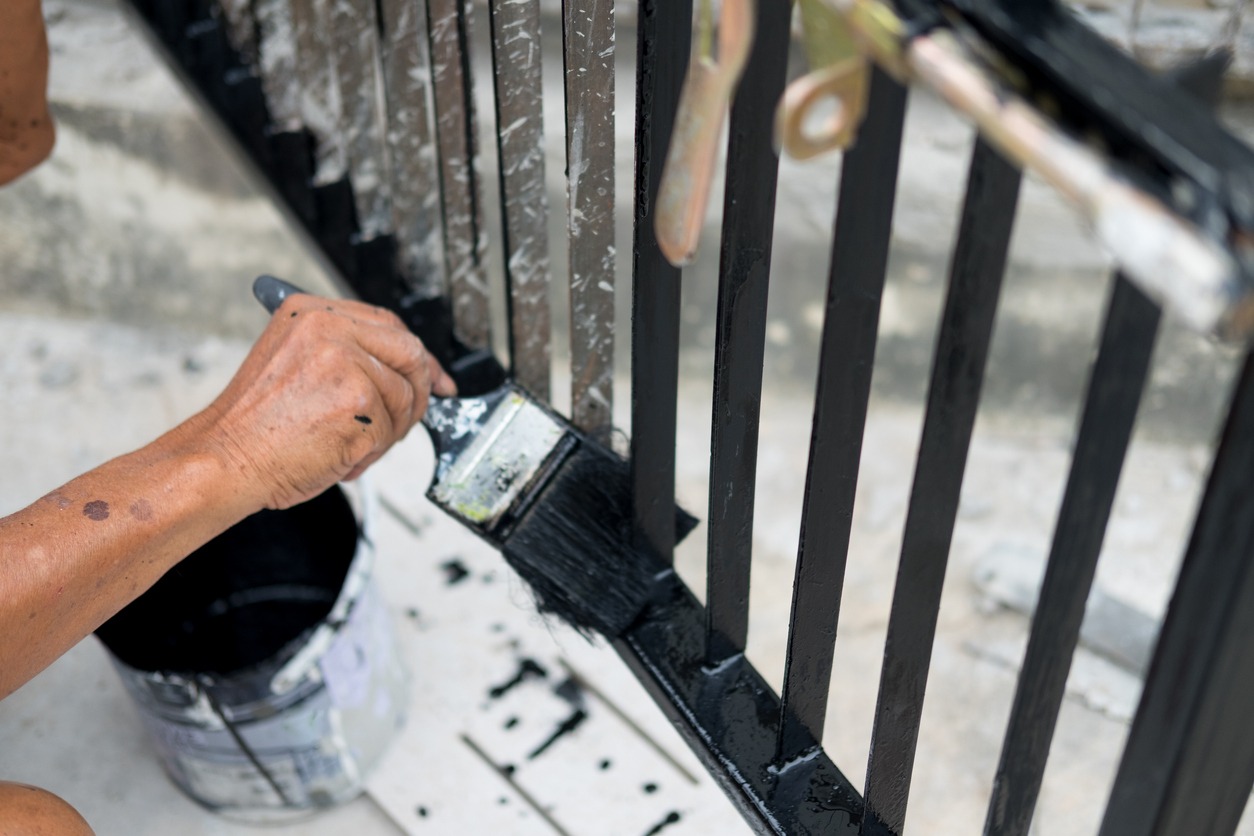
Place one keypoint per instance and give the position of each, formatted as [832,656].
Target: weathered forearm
[78,555]
[26,129]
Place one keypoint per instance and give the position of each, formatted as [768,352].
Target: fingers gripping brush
[556,504]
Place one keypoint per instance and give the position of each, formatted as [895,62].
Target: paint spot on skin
[294,313]
[60,500]
[96,510]
[363,419]
[141,509]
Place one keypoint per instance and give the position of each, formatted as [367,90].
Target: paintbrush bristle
[574,546]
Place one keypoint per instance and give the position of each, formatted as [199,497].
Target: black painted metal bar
[727,716]
[515,28]
[1114,393]
[412,147]
[588,74]
[847,352]
[1110,409]
[744,273]
[1188,764]
[979,262]
[449,24]
[664,32]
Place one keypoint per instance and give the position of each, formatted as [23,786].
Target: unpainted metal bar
[524,201]
[1110,409]
[588,71]
[449,24]
[847,352]
[355,37]
[241,28]
[664,33]
[979,263]
[277,63]
[321,107]
[412,147]
[740,342]
[1188,765]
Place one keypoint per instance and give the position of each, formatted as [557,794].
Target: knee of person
[31,811]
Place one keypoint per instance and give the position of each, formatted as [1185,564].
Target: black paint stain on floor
[564,728]
[454,571]
[671,818]
[527,669]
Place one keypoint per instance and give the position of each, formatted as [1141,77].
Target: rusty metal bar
[588,69]
[524,202]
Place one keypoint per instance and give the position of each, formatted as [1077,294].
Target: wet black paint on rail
[966,329]
[847,352]
[664,30]
[744,270]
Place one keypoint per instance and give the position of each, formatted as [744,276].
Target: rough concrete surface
[124,306]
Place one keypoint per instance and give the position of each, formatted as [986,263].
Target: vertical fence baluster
[355,36]
[859,260]
[1110,408]
[277,63]
[464,242]
[588,70]
[664,32]
[1188,764]
[524,201]
[979,262]
[411,144]
[744,272]
[241,28]
[321,109]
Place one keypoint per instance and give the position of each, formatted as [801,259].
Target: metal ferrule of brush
[493,453]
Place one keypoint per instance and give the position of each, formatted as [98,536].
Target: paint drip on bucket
[264,666]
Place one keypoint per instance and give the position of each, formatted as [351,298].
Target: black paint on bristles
[573,547]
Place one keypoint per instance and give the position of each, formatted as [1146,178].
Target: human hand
[326,390]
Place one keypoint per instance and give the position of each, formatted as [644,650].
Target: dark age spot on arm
[96,510]
[141,509]
[294,313]
[364,419]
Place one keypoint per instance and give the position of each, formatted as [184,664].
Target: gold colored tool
[722,38]
[821,111]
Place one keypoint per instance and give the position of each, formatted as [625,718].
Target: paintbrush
[555,503]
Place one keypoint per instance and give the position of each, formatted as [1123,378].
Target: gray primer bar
[411,142]
[588,48]
[355,30]
[524,204]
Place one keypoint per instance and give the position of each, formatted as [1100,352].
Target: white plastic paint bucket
[264,667]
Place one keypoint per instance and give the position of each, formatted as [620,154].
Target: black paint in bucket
[263,665]
[243,597]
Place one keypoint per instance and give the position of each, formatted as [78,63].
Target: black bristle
[574,546]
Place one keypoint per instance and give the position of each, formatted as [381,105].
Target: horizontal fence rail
[344,106]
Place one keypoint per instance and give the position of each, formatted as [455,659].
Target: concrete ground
[124,307]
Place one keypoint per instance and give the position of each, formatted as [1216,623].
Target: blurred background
[125,266]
